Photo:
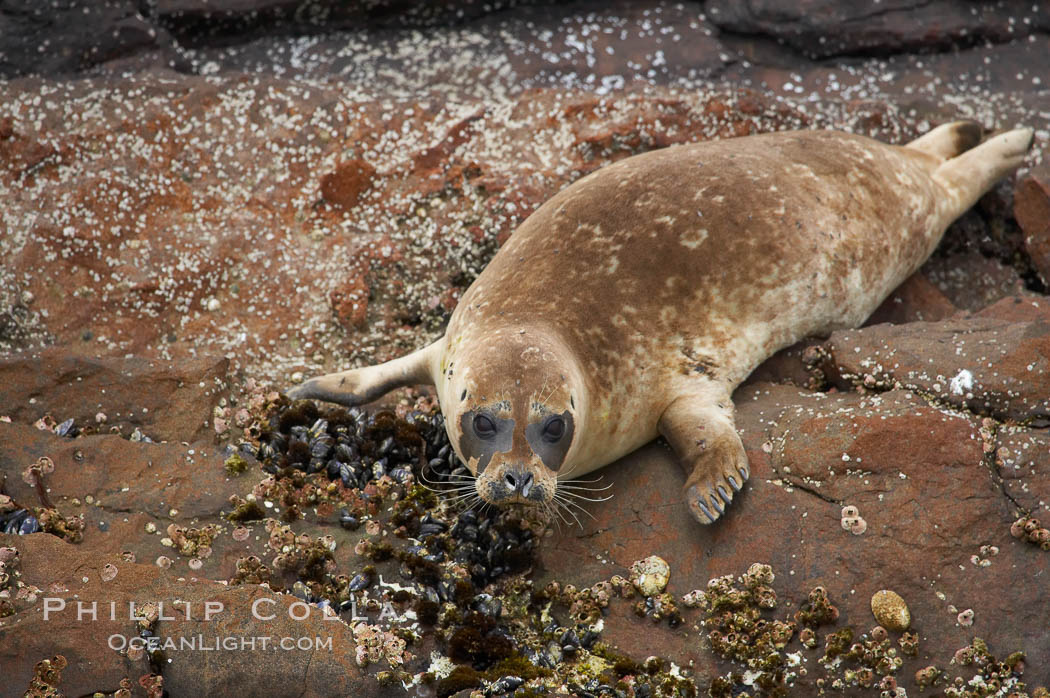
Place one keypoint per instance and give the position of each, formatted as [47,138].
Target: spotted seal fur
[633,303]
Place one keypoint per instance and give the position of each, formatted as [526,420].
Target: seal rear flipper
[967,177]
[703,436]
[363,385]
[948,140]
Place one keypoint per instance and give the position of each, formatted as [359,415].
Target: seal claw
[699,506]
[734,483]
[717,502]
[728,498]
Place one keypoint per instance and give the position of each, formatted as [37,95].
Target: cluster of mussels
[15,520]
[359,448]
[21,521]
[18,521]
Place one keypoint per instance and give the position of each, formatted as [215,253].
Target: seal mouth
[519,504]
[535,498]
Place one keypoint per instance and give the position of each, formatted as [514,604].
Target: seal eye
[554,429]
[484,427]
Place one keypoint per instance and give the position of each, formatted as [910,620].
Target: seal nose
[517,482]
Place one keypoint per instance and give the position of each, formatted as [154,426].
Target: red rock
[1022,461]
[1032,211]
[430,159]
[349,301]
[914,300]
[120,475]
[985,364]
[821,28]
[71,574]
[347,183]
[972,281]
[166,400]
[1019,309]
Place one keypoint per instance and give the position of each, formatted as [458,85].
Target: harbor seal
[633,303]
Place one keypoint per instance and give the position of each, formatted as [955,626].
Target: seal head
[515,412]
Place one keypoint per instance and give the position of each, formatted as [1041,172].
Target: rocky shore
[205,201]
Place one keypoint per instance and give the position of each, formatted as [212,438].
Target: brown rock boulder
[989,364]
[821,28]
[1032,210]
[208,654]
[120,475]
[165,400]
[915,300]
[343,186]
[973,281]
[1022,462]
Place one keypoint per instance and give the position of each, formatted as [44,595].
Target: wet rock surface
[822,28]
[1032,210]
[69,576]
[193,218]
[171,401]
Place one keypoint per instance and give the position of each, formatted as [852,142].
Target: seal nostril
[526,484]
[512,483]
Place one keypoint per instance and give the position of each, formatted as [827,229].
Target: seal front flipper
[699,427]
[363,385]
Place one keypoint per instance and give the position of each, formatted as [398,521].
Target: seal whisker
[554,389]
[583,511]
[569,472]
[582,494]
[460,497]
[450,476]
[456,497]
[423,478]
[448,486]
[455,490]
[475,503]
[558,508]
[586,499]
[462,481]
[564,507]
[578,481]
[467,504]
[552,515]
[543,400]
[443,487]
[583,489]
[566,504]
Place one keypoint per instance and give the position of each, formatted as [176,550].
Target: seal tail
[948,140]
[968,176]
